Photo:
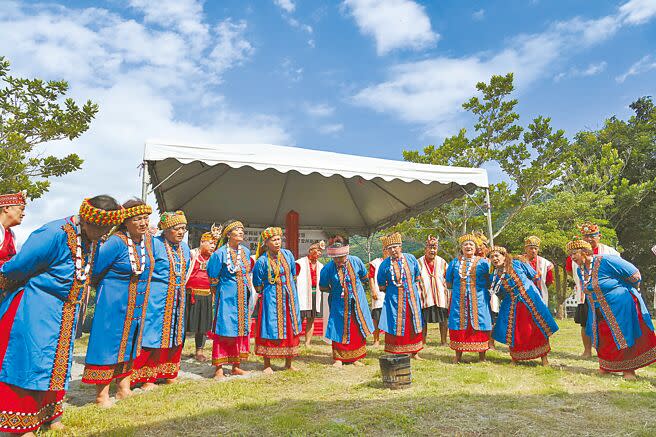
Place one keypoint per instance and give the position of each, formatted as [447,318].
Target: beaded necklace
[273,270]
[496,282]
[80,274]
[587,274]
[465,270]
[401,267]
[137,268]
[232,268]
[181,266]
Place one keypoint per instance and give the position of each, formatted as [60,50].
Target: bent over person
[45,283]
[12,211]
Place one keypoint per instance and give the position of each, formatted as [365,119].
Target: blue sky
[358,76]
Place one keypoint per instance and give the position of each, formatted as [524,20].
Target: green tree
[32,113]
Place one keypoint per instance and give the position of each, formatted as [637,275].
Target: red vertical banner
[291,232]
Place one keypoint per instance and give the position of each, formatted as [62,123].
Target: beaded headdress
[13,199]
[392,240]
[502,250]
[137,210]
[481,237]
[589,229]
[264,236]
[469,237]
[230,226]
[100,217]
[532,241]
[207,236]
[576,244]
[170,219]
[225,229]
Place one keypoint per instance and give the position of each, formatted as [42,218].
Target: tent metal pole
[144,181]
[488,213]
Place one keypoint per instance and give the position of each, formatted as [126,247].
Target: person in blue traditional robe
[524,322]
[278,327]
[618,320]
[44,284]
[399,277]
[350,321]
[164,326]
[229,270]
[470,321]
[122,272]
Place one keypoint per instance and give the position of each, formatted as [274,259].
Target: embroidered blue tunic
[274,298]
[351,274]
[611,285]
[121,297]
[470,294]
[164,324]
[394,311]
[39,353]
[232,291]
[521,289]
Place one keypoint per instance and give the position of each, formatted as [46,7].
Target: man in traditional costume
[198,307]
[229,270]
[122,272]
[542,266]
[399,277]
[524,323]
[589,232]
[350,319]
[278,327]
[310,298]
[44,285]
[435,295]
[377,296]
[164,327]
[618,320]
[470,322]
[12,211]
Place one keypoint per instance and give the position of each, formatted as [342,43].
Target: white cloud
[430,92]
[590,70]
[331,129]
[479,15]
[286,5]
[394,24]
[645,64]
[291,71]
[138,72]
[638,11]
[320,110]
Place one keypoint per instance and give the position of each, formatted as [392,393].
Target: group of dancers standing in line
[146,286]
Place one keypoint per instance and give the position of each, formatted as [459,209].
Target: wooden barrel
[395,370]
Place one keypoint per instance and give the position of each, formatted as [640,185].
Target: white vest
[543,266]
[578,291]
[304,286]
[435,291]
[378,303]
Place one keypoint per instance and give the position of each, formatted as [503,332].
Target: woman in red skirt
[524,323]
[618,320]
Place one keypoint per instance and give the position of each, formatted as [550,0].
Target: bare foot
[417,357]
[513,362]
[200,356]
[104,402]
[56,426]
[218,374]
[291,368]
[268,371]
[239,371]
[359,364]
[444,343]
[148,386]
[28,434]
[586,354]
[603,372]
[481,357]
[171,381]
[123,394]
[545,361]
[456,360]
[337,363]
[376,343]
[630,375]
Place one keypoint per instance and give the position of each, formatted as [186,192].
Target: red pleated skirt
[355,349]
[530,342]
[229,350]
[285,348]
[641,354]
[469,340]
[153,364]
[103,375]
[410,342]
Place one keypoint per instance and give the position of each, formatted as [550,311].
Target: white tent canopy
[260,183]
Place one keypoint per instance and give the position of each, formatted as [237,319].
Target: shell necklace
[81,274]
[402,268]
[232,268]
[137,268]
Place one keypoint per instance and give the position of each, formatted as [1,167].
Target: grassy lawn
[467,399]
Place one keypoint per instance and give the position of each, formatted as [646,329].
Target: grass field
[471,398]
